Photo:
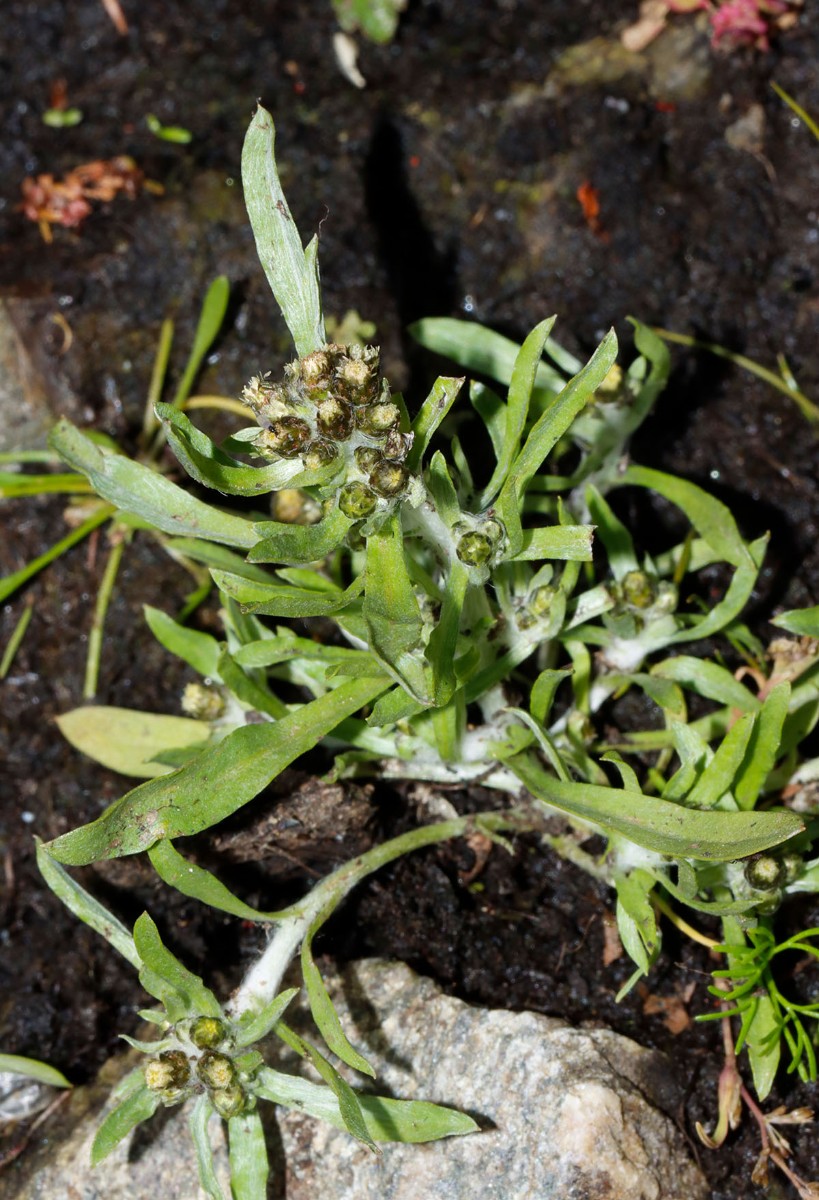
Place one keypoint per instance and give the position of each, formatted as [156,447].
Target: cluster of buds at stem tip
[333,411]
[202,1060]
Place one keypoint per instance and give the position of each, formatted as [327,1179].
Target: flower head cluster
[333,410]
[197,1057]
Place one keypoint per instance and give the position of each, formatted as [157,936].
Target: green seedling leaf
[573,542]
[168,133]
[657,824]
[801,621]
[129,741]
[198,1121]
[708,679]
[377,19]
[78,901]
[386,1120]
[486,352]
[348,1101]
[292,272]
[764,748]
[137,1107]
[216,783]
[254,1026]
[137,489]
[430,415]
[32,1068]
[194,881]
[518,400]
[323,1010]
[163,975]
[247,1149]
[297,544]
[198,650]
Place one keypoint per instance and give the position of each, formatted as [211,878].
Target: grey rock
[575,1114]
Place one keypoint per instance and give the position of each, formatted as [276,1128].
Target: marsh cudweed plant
[440,581]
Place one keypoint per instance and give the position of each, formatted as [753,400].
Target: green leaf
[386,1120]
[764,1046]
[552,424]
[430,415]
[443,641]
[214,307]
[254,1025]
[257,696]
[78,901]
[198,650]
[285,600]
[573,542]
[292,272]
[209,465]
[764,747]
[198,1121]
[392,613]
[543,692]
[286,646]
[137,1107]
[216,783]
[296,544]
[135,488]
[707,679]
[657,824]
[163,975]
[711,518]
[194,881]
[324,1013]
[613,534]
[247,1148]
[731,605]
[802,621]
[348,1101]
[718,776]
[636,920]
[129,741]
[377,19]
[442,490]
[486,352]
[517,405]
[32,1068]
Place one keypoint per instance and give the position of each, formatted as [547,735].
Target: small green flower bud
[357,501]
[288,437]
[171,1070]
[318,454]
[638,589]
[216,1070]
[334,419]
[378,418]
[474,549]
[765,872]
[229,1102]
[541,601]
[203,703]
[367,458]
[792,865]
[389,479]
[768,905]
[207,1033]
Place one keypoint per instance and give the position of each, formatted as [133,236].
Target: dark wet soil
[448,186]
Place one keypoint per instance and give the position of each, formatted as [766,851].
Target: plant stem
[120,536]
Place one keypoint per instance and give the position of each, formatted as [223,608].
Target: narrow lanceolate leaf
[249,1170]
[518,400]
[194,881]
[764,1043]
[129,741]
[292,272]
[803,621]
[165,977]
[198,1121]
[139,1106]
[391,610]
[658,824]
[255,1025]
[199,650]
[568,542]
[486,352]
[431,414]
[283,599]
[348,1100]
[324,1014]
[84,906]
[135,488]
[216,783]
[386,1120]
[764,747]
[32,1068]
[280,543]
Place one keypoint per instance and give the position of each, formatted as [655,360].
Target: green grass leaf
[216,783]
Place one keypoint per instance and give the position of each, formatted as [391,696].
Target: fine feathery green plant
[468,633]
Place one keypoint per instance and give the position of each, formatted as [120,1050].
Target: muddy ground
[447,186]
